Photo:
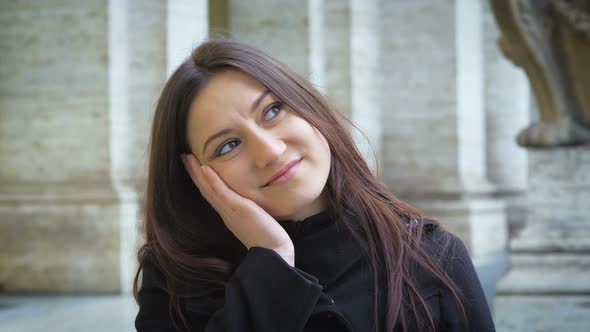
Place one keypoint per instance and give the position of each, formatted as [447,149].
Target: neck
[317,206]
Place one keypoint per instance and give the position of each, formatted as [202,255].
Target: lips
[283,170]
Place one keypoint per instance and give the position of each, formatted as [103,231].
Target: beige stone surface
[279,26]
[549,261]
[419,96]
[59,246]
[433,122]
[58,224]
[557,273]
[542,314]
[507,104]
[337,52]
[187,24]
[558,202]
[137,70]
[52,139]
[78,85]
[52,91]
[480,223]
[367,106]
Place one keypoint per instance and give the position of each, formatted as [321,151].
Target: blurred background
[440,104]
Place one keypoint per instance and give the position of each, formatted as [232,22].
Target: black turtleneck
[330,288]
[300,228]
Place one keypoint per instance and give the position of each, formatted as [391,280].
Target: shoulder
[449,254]
[442,244]
[151,272]
[454,260]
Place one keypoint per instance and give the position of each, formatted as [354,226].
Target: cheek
[311,137]
[321,143]
[233,177]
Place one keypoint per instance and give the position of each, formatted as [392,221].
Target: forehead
[228,91]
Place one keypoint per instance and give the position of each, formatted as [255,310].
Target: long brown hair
[189,243]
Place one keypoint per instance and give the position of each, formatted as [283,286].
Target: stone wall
[547,286]
[78,85]
[57,206]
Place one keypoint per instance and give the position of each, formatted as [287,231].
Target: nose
[265,147]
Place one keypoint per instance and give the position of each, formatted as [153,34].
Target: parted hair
[196,253]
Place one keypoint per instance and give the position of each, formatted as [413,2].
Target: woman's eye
[227,147]
[272,112]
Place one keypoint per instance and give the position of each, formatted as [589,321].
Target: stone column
[344,65]
[367,102]
[79,92]
[317,45]
[148,41]
[280,27]
[547,287]
[59,213]
[434,118]
[507,109]
[507,104]
[187,25]
[336,29]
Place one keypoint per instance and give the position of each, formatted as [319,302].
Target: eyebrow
[227,130]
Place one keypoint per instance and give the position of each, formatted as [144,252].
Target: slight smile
[285,173]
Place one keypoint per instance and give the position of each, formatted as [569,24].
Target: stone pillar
[317,45]
[507,96]
[434,118]
[59,222]
[336,30]
[547,287]
[137,67]
[280,27]
[507,105]
[187,25]
[367,102]
[84,78]
[344,65]
[148,41]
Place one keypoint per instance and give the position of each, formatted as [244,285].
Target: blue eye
[274,110]
[227,147]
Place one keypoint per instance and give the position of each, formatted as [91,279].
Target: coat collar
[324,246]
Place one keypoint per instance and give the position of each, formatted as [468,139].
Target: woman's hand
[250,223]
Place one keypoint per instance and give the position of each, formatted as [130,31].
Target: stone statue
[550,40]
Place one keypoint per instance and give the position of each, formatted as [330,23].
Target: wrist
[288,254]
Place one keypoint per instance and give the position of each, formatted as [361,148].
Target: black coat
[329,289]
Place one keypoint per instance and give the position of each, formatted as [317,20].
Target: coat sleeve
[265,293]
[459,268]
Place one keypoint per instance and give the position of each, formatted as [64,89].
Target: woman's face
[242,131]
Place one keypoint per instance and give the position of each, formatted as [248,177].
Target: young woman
[261,215]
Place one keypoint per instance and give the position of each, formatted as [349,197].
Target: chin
[282,214]
[282,211]
[291,212]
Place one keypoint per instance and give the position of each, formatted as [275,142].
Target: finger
[193,167]
[189,168]
[195,160]
[205,185]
